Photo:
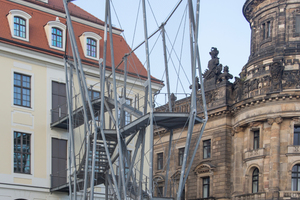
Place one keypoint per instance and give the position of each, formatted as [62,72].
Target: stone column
[238,141]
[274,156]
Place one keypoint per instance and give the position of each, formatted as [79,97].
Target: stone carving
[270,121]
[266,80]
[226,75]
[198,86]
[290,79]
[237,89]
[211,96]
[277,120]
[254,85]
[211,75]
[173,99]
[276,75]
[204,168]
[246,87]
[254,152]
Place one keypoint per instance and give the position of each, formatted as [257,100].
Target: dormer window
[18,21]
[90,43]
[56,34]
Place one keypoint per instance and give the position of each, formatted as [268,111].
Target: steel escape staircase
[168,120]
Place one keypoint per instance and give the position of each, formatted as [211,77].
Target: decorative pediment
[176,175]
[158,178]
[204,168]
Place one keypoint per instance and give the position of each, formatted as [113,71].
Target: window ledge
[293,149]
[293,194]
[254,154]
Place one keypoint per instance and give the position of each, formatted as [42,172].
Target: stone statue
[214,68]
[226,75]
[198,86]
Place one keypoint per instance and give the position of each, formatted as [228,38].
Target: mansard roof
[41,13]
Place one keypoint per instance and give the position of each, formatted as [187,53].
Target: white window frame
[31,89]
[83,41]
[22,14]
[23,175]
[48,30]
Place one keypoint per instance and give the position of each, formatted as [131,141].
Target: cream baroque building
[33,148]
[250,148]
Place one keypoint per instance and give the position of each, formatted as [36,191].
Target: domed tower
[275,35]
[266,106]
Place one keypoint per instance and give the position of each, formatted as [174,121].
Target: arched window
[19,27]
[56,37]
[296,178]
[91,45]
[255,181]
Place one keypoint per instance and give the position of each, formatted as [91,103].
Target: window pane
[255,187]
[21,90]
[19,27]
[91,45]
[21,152]
[206,148]
[297,23]
[56,37]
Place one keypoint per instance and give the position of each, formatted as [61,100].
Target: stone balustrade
[254,154]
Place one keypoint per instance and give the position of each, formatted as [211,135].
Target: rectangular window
[20,27]
[59,162]
[206,148]
[159,191]
[160,161]
[94,94]
[264,31]
[180,156]
[127,116]
[22,153]
[59,101]
[268,29]
[56,37]
[297,135]
[91,45]
[205,187]
[297,25]
[22,90]
[256,139]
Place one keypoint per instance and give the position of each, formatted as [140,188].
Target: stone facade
[252,120]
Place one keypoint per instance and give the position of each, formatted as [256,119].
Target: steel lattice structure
[102,147]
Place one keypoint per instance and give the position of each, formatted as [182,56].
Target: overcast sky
[222,25]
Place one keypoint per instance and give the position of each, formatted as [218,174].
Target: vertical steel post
[102,80]
[115,102]
[193,111]
[143,133]
[70,130]
[150,100]
[72,135]
[170,107]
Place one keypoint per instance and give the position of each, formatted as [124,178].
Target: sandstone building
[250,148]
